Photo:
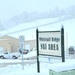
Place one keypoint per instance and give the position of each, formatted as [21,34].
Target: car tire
[14,57]
[2,57]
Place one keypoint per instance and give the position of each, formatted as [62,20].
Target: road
[6,62]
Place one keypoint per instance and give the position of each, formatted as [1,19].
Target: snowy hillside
[29,29]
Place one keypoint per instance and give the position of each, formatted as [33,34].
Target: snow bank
[28,70]
[64,66]
[31,54]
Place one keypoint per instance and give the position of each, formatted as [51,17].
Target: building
[5,45]
[30,44]
[8,43]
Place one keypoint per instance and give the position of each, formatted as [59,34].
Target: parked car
[25,51]
[71,50]
[13,55]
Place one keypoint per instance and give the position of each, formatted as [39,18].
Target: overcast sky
[9,8]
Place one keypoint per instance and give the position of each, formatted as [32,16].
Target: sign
[22,42]
[21,38]
[50,43]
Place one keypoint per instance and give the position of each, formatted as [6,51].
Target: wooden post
[62,44]
[37,46]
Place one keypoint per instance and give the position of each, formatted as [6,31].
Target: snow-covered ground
[45,63]
[29,55]
[31,69]
[28,70]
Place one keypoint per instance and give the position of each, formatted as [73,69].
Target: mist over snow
[23,17]
[54,24]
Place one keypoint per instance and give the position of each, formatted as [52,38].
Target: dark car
[71,50]
[25,51]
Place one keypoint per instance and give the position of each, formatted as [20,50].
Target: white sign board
[50,43]
[21,38]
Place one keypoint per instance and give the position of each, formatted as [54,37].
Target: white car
[8,55]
